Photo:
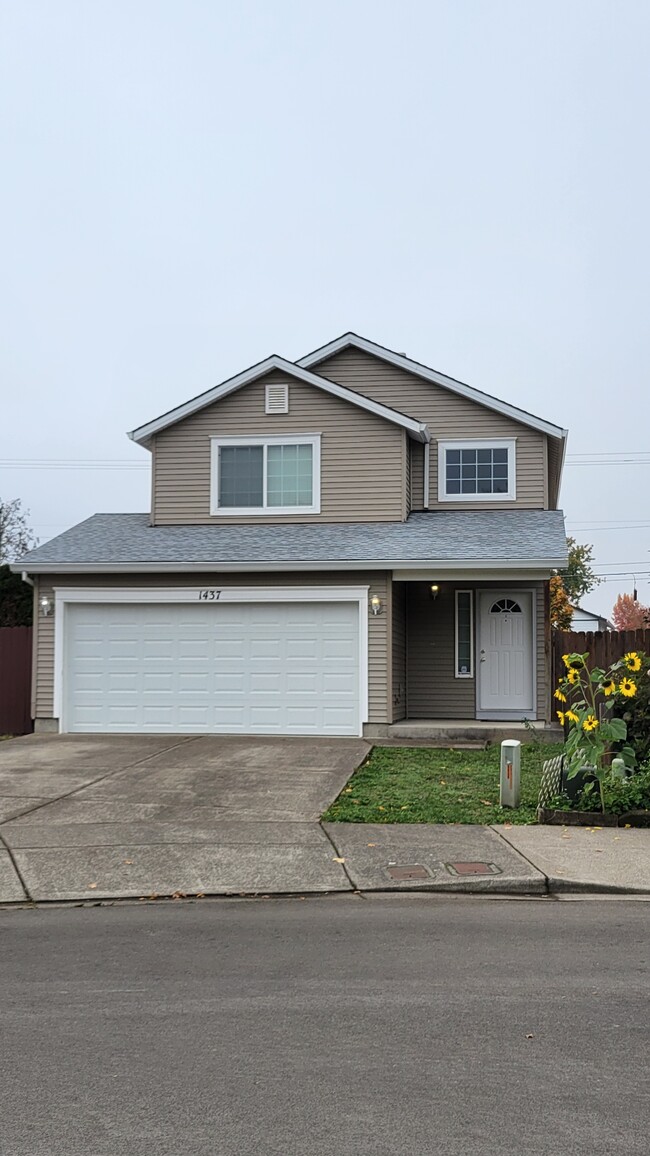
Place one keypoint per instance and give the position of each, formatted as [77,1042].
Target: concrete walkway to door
[124,816]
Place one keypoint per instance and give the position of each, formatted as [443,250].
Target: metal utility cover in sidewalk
[473,868]
[404,873]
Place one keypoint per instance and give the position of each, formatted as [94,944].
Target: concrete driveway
[98,816]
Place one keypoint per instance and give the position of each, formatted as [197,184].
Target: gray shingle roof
[464,536]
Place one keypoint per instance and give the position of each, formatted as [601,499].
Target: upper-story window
[266,475]
[481,470]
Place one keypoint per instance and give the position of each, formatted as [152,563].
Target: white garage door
[230,668]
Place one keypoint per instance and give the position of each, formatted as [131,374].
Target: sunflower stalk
[590,736]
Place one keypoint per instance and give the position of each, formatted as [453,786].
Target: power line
[112,464]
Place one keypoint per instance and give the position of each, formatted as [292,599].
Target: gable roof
[463,540]
[415,429]
[400,360]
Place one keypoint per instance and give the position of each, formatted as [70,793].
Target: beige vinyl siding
[433,690]
[448,416]
[378,583]
[362,456]
[398,649]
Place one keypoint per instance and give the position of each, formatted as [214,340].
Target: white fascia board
[542,566]
[143,433]
[433,376]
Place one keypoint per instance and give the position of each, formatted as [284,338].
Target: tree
[578,579]
[16,599]
[561,609]
[629,614]
[16,538]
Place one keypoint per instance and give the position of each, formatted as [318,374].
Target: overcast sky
[190,185]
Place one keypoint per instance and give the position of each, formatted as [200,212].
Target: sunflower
[560,714]
[566,659]
[573,661]
[571,716]
[590,723]
[559,696]
[632,661]
[627,687]
[572,676]
[609,686]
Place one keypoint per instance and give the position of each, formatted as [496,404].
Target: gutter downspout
[425,479]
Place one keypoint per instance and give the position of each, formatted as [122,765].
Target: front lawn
[429,785]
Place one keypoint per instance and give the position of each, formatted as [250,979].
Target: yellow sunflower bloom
[572,676]
[571,716]
[566,659]
[560,715]
[627,687]
[632,661]
[590,723]
[609,686]
[559,696]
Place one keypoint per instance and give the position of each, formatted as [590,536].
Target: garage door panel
[256,668]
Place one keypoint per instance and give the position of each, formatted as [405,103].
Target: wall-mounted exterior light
[375,605]
[46,606]
[434,591]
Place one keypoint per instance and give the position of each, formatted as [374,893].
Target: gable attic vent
[277,398]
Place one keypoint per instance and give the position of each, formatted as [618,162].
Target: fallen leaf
[627,826]
[348,790]
[598,850]
[507,826]
[371,844]
[405,808]
[443,782]
[154,895]
[337,860]
[179,895]
[92,886]
[128,860]
[529,1036]
[381,808]
[487,803]
[200,895]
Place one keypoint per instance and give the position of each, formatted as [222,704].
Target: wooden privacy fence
[603,647]
[15,680]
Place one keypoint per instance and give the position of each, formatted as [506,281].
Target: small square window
[481,469]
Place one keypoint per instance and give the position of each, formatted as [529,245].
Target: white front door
[505,646]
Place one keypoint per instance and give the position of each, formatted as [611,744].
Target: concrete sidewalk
[50,861]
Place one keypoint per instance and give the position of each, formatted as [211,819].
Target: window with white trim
[464,634]
[478,470]
[259,475]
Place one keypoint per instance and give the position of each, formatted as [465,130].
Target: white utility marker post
[509,793]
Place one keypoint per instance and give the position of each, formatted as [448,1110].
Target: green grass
[428,785]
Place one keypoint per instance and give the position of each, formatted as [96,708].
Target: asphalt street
[384,1025]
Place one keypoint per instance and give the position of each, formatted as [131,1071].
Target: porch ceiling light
[375,604]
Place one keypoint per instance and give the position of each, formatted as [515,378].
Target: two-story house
[334,544]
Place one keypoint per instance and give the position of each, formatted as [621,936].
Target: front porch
[470,661]
[472,734]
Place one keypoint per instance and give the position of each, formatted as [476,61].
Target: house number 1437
[209,595]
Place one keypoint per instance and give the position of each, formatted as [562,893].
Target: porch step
[461,734]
